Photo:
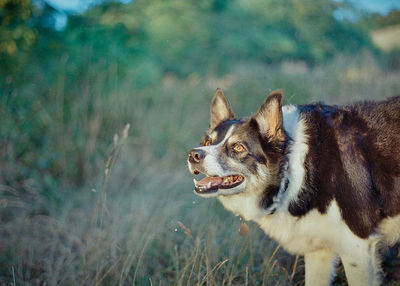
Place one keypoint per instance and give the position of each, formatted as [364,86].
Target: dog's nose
[196,155]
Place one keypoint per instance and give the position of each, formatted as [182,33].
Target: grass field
[133,219]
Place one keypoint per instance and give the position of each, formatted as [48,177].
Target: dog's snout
[196,155]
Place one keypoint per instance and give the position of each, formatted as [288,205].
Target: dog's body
[324,181]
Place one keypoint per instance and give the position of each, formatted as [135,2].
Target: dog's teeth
[209,185]
[195,182]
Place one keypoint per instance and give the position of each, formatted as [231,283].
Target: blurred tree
[212,35]
[380,21]
[16,31]
[220,5]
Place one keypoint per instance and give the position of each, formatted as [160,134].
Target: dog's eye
[238,147]
[207,143]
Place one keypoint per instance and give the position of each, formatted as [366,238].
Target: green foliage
[377,21]
[15,29]
[209,35]
[150,38]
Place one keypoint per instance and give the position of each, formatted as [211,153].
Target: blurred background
[100,101]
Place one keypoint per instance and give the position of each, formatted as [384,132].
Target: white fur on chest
[297,235]
[311,232]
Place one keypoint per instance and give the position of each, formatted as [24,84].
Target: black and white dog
[324,181]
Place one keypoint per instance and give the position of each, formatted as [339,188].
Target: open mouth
[213,183]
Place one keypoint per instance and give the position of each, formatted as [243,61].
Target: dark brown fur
[354,157]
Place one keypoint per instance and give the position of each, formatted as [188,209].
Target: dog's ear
[269,116]
[220,109]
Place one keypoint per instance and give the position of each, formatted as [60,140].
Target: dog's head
[240,155]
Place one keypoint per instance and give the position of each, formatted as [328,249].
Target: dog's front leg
[320,267]
[362,269]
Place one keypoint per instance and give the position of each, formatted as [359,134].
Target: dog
[323,181]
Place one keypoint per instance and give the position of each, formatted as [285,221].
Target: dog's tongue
[215,181]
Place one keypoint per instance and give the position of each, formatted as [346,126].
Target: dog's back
[354,156]
[383,149]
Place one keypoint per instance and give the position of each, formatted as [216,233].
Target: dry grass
[138,223]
